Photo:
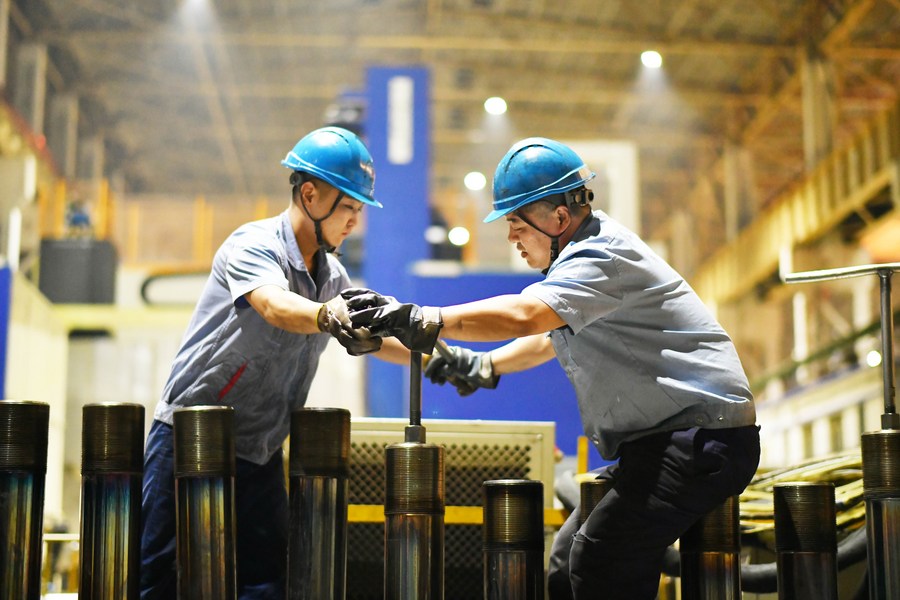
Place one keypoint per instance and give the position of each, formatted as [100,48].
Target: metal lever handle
[415,432]
[890,419]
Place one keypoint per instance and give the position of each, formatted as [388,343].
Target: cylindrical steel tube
[414,522]
[889,419]
[513,539]
[204,495]
[112,466]
[711,555]
[24,430]
[591,493]
[881,489]
[317,537]
[805,541]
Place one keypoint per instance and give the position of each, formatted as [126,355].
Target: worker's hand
[466,369]
[417,327]
[333,318]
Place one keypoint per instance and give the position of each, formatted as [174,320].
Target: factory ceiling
[206,96]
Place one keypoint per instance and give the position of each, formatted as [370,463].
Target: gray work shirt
[642,351]
[231,356]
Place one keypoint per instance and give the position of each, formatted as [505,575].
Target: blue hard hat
[535,168]
[338,157]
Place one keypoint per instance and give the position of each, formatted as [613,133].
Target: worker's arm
[393,351]
[494,319]
[292,312]
[285,309]
[521,354]
[499,318]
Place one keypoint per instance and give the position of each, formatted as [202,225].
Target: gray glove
[333,318]
[466,369]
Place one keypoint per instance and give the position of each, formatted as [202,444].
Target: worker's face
[343,220]
[533,245]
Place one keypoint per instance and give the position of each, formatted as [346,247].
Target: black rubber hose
[763,578]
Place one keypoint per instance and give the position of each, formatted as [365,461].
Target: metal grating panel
[475,451]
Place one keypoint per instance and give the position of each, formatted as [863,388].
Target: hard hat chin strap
[554,239]
[317,223]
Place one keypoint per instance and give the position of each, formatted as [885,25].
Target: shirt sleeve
[581,287]
[252,264]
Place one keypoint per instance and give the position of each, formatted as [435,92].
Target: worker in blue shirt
[253,343]
[659,384]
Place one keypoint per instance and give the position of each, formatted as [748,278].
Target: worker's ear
[307,192]
[562,216]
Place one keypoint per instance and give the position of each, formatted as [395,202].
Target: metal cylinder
[317,537]
[881,489]
[805,541]
[513,539]
[24,430]
[711,555]
[112,466]
[204,495]
[591,493]
[414,522]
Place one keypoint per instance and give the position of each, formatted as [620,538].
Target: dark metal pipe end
[592,492]
[718,531]
[513,514]
[320,442]
[24,431]
[881,464]
[112,438]
[414,475]
[805,517]
[204,441]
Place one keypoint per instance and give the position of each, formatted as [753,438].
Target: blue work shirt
[231,356]
[641,349]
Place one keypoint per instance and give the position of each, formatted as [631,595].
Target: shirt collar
[588,228]
[295,259]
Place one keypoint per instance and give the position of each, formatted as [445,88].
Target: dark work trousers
[261,510]
[664,482]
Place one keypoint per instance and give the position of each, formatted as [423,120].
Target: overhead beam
[597,44]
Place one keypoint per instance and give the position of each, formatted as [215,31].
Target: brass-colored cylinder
[112,443]
[591,493]
[317,537]
[710,555]
[414,522]
[204,495]
[513,539]
[805,541]
[204,441]
[24,430]
[320,442]
[881,490]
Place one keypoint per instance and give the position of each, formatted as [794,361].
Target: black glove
[334,319]
[466,369]
[416,327]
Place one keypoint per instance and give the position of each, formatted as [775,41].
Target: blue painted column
[398,136]
[5,300]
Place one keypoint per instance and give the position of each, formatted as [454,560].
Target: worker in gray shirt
[660,387]
[253,343]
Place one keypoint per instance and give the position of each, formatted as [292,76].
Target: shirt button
[699,420]
[721,418]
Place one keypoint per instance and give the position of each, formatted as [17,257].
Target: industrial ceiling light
[495,105]
[458,236]
[873,358]
[475,181]
[651,59]
[436,234]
